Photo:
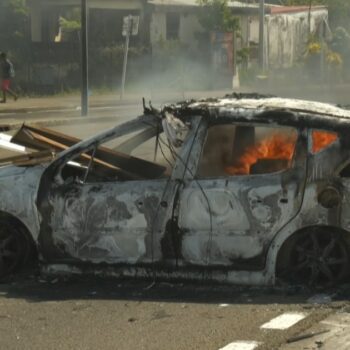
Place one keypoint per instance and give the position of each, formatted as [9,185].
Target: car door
[229,219]
[91,217]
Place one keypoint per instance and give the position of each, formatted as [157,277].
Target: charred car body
[242,189]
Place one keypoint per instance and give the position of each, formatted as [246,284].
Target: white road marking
[5,137]
[5,142]
[241,345]
[284,321]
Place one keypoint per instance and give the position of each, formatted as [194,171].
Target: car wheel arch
[283,245]
[24,230]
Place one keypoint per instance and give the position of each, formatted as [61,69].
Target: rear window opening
[247,150]
[322,139]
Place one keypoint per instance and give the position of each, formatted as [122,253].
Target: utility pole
[130,28]
[126,51]
[309,16]
[84,59]
[262,35]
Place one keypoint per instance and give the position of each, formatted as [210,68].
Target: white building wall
[118,5]
[189,26]
[288,34]
[158,27]
[101,4]
[244,23]
[254,30]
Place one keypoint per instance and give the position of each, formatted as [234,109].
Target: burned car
[245,189]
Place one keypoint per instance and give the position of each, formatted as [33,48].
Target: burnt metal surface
[266,110]
[233,219]
[180,225]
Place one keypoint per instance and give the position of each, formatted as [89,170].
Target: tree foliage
[215,15]
[14,23]
[71,22]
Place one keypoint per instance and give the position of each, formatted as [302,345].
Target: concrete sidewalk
[73,102]
[338,94]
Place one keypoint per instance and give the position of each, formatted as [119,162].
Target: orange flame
[276,146]
[322,139]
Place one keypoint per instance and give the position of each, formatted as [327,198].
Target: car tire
[316,257]
[15,247]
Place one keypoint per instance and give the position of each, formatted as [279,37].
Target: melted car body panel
[106,222]
[18,190]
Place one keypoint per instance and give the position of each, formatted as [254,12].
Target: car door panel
[231,219]
[238,215]
[112,221]
[106,222]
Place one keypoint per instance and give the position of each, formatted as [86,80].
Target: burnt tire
[15,247]
[317,257]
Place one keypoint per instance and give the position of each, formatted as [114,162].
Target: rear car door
[248,185]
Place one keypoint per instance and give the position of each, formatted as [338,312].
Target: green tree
[71,20]
[215,15]
[15,36]
[14,24]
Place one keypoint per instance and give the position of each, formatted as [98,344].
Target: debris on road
[305,336]
[320,299]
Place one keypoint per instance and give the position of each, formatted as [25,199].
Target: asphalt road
[128,315]
[70,116]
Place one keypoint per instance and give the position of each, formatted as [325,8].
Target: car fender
[311,214]
[18,191]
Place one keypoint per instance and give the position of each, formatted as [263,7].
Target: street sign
[131,25]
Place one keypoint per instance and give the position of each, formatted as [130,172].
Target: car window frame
[97,141]
[299,131]
[310,141]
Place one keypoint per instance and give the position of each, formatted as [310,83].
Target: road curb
[63,108]
[109,102]
[56,122]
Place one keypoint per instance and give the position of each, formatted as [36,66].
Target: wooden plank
[28,136]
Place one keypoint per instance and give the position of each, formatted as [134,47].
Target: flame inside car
[273,147]
[322,139]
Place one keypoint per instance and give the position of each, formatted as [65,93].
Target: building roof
[275,9]
[241,6]
[194,3]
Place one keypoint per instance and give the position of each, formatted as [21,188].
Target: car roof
[259,108]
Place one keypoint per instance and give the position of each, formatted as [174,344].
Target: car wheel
[14,249]
[317,258]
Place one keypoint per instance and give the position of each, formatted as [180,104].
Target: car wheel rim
[10,251]
[319,259]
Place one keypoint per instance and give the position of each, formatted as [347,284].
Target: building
[288,30]
[159,19]
[286,27]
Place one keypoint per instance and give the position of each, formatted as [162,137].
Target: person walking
[7,73]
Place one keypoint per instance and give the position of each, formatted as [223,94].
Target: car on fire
[245,189]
